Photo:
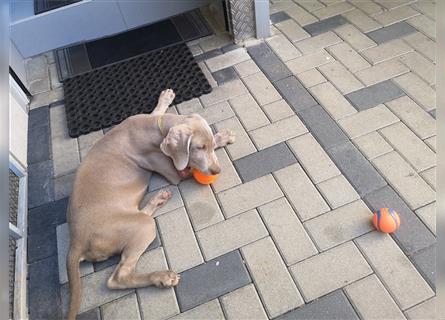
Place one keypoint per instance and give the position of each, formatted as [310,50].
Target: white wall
[18,128]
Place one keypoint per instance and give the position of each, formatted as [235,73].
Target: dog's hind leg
[165,100]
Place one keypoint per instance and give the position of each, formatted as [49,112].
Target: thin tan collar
[160,125]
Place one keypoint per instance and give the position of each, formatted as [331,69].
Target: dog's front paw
[166,97]
[166,279]
[224,137]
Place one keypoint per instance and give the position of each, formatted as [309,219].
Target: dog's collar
[161,126]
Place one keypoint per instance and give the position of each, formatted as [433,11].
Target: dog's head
[192,144]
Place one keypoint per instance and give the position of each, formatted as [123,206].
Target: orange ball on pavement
[203,178]
[386,220]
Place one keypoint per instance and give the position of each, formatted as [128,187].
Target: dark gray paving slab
[40,183]
[42,245]
[330,307]
[412,235]
[264,162]
[225,75]
[279,17]
[230,47]
[46,217]
[268,62]
[374,95]
[392,32]
[211,280]
[425,262]
[208,55]
[38,117]
[323,127]
[325,25]
[93,314]
[39,144]
[356,168]
[433,113]
[43,290]
[295,93]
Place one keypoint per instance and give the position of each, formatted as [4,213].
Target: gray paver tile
[317,43]
[226,91]
[330,271]
[93,314]
[38,146]
[368,7]
[337,191]
[230,177]
[231,234]
[63,186]
[313,158]
[287,231]
[325,25]
[249,195]
[284,49]
[278,110]
[310,5]
[398,14]
[300,192]
[180,245]
[268,62]
[424,310]
[424,24]
[279,17]
[393,4]
[248,110]
[428,216]
[430,177]
[428,8]
[243,303]
[292,30]
[295,94]
[206,71]
[386,51]
[381,72]
[308,62]
[46,98]
[261,88]
[392,32]
[246,68]
[422,44]
[374,95]
[225,75]
[123,308]
[274,283]
[311,78]
[354,37]
[362,21]
[157,182]
[348,56]
[356,168]
[332,10]
[372,145]
[40,183]
[264,162]
[371,299]
[431,142]
[209,310]
[340,77]
[433,113]
[322,127]
[418,90]
[394,269]
[300,15]
[217,112]
[227,59]
[334,306]
[211,280]
[421,66]
[425,261]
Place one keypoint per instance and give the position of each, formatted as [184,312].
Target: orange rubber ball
[386,220]
[203,178]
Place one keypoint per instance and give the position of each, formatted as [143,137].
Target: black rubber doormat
[41,6]
[88,56]
[107,96]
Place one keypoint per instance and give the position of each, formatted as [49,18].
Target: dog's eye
[201,147]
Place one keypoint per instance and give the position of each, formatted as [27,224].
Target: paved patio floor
[335,118]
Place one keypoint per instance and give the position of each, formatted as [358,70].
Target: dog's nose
[216,170]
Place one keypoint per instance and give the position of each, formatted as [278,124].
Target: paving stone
[413,235]
[157,182]
[386,51]
[40,183]
[362,21]
[322,127]
[66,157]
[249,195]
[424,24]
[206,71]
[284,49]
[225,75]
[368,7]
[431,142]
[337,191]
[211,280]
[313,158]
[367,121]
[422,44]
[272,280]
[359,172]
[243,145]
[264,162]
[425,261]
[394,269]
[261,88]
[340,225]
[292,30]
[279,17]
[209,310]
[195,49]
[214,42]
[311,78]
[243,303]
[301,16]
[332,100]
[317,43]
[43,289]
[430,177]
[371,299]
[310,5]
[86,141]
[392,32]
[37,75]
[344,53]
[325,25]
[286,230]
[428,8]
[412,188]
[409,146]
[277,132]
[428,215]
[372,145]
[231,234]
[278,110]
[46,98]
[333,10]
[93,314]
[381,72]
[46,217]
[173,203]
[38,117]
[421,66]
[334,306]
[418,90]
[217,112]
[227,59]
[39,139]
[308,62]
[230,177]
[340,77]
[392,16]
[63,186]
[246,68]
[247,109]
[225,92]
[424,310]
[329,271]
[295,94]
[124,308]
[374,95]
[180,245]
[268,62]
[354,37]
[300,192]
[393,4]
[53,76]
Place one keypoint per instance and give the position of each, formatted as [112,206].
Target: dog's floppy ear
[176,145]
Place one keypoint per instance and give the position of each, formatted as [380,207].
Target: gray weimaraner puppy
[103,212]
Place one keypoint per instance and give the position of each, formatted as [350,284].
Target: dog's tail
[73,270]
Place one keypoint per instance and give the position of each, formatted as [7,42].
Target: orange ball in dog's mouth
[203,178]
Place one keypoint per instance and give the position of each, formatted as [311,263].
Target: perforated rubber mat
[107,96]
